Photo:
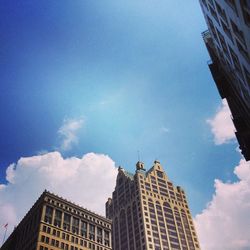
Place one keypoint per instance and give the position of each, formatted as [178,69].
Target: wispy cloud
[42,152]
[225,223]
[68,132]
[164,129]
[221,125]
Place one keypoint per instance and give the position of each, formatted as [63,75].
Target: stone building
[55,223]
[149,212]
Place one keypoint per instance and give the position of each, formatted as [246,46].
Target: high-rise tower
[148,212]
[228,43]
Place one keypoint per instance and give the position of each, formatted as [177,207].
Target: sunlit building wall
[148,212]
[55,223]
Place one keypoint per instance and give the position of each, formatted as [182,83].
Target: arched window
[150,200]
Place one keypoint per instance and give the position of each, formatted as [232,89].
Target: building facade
[228,43]
[55,223]
[148,212]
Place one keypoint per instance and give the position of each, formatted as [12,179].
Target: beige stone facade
[148,212]
[55,223]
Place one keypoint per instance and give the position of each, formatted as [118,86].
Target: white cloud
[10,172]
[87,181]
[225,223]
[221,125]
[68,132]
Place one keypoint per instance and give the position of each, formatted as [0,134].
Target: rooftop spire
[140,166]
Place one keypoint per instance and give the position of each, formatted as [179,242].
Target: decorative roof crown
[140,166]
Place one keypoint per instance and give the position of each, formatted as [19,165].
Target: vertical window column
[75,225]
[92,232]
[187,229]
[67,222]
[57,218]
[48,214]
[43,213]
[115,235]
[84,229]
[107,238]
[99,235]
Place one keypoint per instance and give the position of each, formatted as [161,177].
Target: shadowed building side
[228,43]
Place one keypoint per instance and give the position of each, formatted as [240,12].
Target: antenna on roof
[138,154]
[157,157]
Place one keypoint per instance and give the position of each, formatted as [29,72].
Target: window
[58,218]
[205,3]
[48,214]
[221,12]
[243,51]
[106,238]
[214,14]
[245,5]
[147,185]
[235,61]
[53,242]
[247,75]
[91,232]
[232,4]
[211,2]
[159,174]
[75,226]
[238,32]
[66,222]
[223,44]
[227,31]
[99,235]
[84,229]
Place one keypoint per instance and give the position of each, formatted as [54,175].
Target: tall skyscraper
[228,43]
[148,212]
[55,223]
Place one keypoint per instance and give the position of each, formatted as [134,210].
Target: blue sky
[134,73]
